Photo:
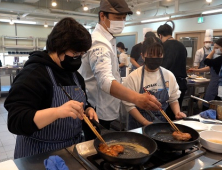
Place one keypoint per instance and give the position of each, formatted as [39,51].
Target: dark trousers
[169,111]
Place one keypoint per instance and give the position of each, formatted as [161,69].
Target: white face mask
[116,27]
[207,45]
[217,51]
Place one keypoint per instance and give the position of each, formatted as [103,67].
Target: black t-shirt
[174,59]
[136,51]
[215,63]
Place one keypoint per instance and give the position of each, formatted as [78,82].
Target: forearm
[136,115]
[175,107]
[133,61]
[121,65]
[210,56]
[45,117]
[123,93]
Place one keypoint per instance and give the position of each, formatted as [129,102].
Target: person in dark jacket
[39,112]
[174,59]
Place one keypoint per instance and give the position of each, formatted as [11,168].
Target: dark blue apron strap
[163,80]
[76,80]
[51,75]
[141,82]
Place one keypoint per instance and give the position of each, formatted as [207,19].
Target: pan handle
[199,99]
[100,127]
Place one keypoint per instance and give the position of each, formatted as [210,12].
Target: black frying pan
[162,134]
[131,155]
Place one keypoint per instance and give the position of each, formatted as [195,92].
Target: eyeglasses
[78,53]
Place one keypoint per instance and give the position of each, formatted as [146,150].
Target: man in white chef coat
[100,67]
[202,53]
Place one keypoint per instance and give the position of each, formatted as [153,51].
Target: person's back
[175,55]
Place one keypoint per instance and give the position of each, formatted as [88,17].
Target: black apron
[162,96]
[59,134]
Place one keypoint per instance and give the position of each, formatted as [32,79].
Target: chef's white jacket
[99,68]
[200,55]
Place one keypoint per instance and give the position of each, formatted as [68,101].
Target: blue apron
[122,70]
[162,96]
[59,134]
[202,65]
[212,89]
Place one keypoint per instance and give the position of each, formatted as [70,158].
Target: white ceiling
[42,11]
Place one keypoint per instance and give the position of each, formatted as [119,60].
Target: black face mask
[71,64]
[153,63]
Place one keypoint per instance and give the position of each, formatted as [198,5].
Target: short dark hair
[68,34]
[105,13]
[166,29]
[219,42]
[152,45]
[149,34]
[122,46]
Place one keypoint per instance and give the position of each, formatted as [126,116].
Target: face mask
[71,64]
[153,63]
[116,27]
[217,51]
[207,45]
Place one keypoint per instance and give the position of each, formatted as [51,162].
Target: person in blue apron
[213,62]
[39,111]
[123,58]
[159,81]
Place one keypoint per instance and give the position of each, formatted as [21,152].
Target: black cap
[115,6]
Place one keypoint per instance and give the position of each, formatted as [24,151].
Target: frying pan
[131,155]
[162,134]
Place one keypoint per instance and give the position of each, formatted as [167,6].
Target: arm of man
[100,62]
[134,54]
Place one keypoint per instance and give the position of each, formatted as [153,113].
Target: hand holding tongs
[165,115]
[86,119]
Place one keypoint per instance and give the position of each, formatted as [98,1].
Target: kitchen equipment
[164,114]
[198,126]
[216,128]
[159,160]
[162,134]
[131,155]
[85,118]
[202,121]
[216,167]
[213,104]
[205,136]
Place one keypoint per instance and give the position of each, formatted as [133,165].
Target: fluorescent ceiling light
[138,12]
[87,26]
[85,8]
[212,11]
[55,23]
[155,19]
[208,0]
[18,21]
[54,3]
[45,25]
[11,22]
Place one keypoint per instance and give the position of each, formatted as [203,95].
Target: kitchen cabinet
[14,46]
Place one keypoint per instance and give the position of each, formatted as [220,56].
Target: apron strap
[163,80]
[51,75]
[141,83]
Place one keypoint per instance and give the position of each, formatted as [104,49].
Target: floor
[7,139]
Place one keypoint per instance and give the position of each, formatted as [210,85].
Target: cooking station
[83,156]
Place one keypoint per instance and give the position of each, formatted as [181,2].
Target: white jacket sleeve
[174,89]
[129,83]
[101,65]
[197,58]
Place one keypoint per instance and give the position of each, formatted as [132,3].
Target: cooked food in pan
[215,141]
[112,150]
[181,136]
